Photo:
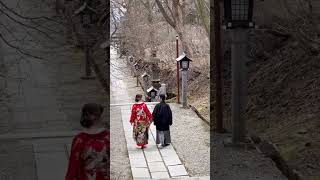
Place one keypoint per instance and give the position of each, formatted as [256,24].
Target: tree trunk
[101,77]
[72,28]
[177,12]
[204,14]
[150,21]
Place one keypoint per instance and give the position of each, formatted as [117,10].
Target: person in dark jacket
[162,119]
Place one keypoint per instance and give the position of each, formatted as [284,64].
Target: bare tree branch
[170,10]
[115,24]
[19,49]
[165,15]
[29,18]
[26,25]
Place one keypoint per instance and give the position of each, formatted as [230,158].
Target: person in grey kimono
[162,115]
[162,90]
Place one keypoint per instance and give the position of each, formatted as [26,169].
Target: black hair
[90,109]
[138,97]
[162,97]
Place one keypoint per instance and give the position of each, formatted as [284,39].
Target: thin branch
[18,49]
[115,24]
[44,27]
[144,4]
[29,18]
[121,4]
[26,25]
[165,15]
[170,10]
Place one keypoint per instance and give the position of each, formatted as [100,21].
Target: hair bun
[85,122]
[90,109]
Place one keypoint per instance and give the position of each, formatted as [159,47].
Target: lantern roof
[152,89]
[84,8]
[183,57]
[145,74]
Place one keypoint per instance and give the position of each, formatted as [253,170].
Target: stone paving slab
[42,148]
[17,161]
[49,162]
[172,160]
[138,163]
[153,156]
[51,154]
[136,155]
[177,170]
[168,151]
[140,173]
[157,167]
[159,175]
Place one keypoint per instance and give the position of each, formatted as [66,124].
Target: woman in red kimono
[141,119]
[90,151]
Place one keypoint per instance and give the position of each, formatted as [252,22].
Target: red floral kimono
[141,119]
[89,158]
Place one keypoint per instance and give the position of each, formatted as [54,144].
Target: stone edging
[198,113]
[271,151]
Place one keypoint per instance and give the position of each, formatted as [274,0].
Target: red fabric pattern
[90,157]
[140,117]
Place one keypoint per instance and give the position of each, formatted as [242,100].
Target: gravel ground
[120,164]
[245,164]
[191,140]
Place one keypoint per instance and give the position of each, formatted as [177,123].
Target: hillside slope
[284,99]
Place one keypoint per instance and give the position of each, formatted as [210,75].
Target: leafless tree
[174,13]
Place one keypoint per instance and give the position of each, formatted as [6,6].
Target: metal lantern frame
[184,62]
[145,76]
[136,66]
[152,92]
[87,15]
[131,59]
[238,13]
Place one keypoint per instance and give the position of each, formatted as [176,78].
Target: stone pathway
[51,155]
[151,162]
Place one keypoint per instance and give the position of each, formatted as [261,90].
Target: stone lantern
[145,77]
[152,93]
[155,76]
